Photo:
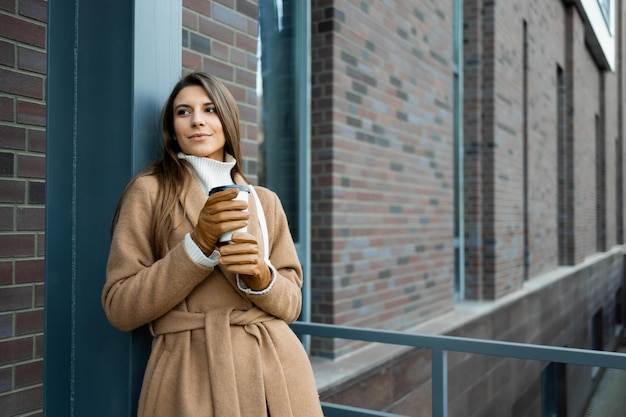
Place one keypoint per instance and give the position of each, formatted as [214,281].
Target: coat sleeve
[284,300]
[140,288]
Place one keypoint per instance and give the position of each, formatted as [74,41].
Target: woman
[218,313]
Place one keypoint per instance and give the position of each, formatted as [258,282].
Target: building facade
[465,177]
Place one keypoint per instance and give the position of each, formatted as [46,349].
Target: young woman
[218,312]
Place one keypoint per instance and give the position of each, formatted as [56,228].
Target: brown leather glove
[220,214]
[241,256]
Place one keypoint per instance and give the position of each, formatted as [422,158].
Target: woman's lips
[199,136]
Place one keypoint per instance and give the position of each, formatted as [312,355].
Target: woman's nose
[197,119]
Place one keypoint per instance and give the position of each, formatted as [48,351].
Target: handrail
[441,344]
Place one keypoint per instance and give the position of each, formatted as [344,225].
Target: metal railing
[439,346]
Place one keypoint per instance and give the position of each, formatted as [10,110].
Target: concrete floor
[609,400]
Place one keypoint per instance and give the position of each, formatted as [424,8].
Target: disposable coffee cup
[243,196]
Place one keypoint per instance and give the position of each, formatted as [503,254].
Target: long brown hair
[171,171]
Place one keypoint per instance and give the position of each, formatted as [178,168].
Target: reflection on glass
[276,84]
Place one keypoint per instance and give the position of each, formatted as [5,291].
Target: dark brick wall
[22,211]
[474,166]
[382,163]
[498,122]
[221,38]
[511,211]
[585,109]
[542,127]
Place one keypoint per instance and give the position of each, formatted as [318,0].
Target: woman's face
[197,127]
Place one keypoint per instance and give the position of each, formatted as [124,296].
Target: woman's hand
[241,256]
[219,215]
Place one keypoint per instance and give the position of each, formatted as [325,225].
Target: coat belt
[220,358]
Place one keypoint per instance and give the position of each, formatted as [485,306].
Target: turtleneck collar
[210,173]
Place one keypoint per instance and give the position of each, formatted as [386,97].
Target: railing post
[440,382]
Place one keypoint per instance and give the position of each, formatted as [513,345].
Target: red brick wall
[221,38]
[586,107]
[494,143]
[22,198]
[382,162]
[543,59]
[474,196]
[504,143]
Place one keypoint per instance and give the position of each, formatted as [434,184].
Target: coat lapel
[192,199]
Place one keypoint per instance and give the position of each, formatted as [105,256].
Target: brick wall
[500,127]
[542,128]
[221,39]
[22,198]
[506,147]
[473,164]
[586,108]
[382,162]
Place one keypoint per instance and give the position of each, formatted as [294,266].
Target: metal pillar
[110,66]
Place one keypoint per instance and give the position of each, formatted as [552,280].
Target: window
[284,117]
[525,149]
[605,8]
[563,221]
[278,159]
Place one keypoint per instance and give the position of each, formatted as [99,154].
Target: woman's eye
[210,110]
[182,112]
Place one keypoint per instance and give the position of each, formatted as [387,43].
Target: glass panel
[277,88]
[605,8]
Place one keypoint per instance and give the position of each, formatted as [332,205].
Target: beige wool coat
[217,351]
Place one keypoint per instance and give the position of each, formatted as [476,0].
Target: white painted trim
[604,34]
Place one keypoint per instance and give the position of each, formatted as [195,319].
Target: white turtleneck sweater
[210,173]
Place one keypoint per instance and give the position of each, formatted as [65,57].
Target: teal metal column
[110,66]
[439,382]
